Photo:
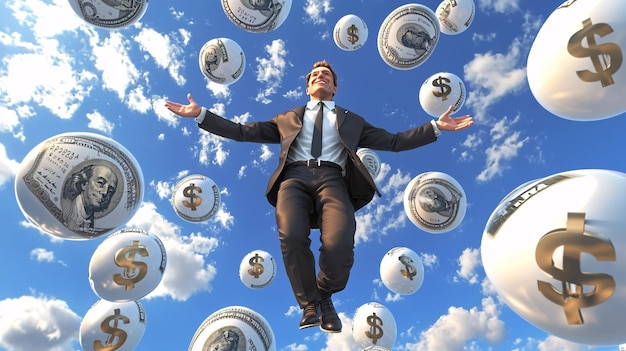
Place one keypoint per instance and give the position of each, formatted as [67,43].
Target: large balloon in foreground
[575,65]
[440,91]
[408,36]
[435,202]
[374,325]
[196,198]
[402,270]
[350,33]
[109,14]
[234,328]
[222,61]
[455,16]
[127,265]
[79,185]
[257,16]
[115,326]
[257,269]
[555,250]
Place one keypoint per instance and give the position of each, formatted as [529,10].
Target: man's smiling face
[321,84]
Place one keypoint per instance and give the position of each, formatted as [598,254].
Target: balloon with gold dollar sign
[576,67]
[563,236]
[127,265]
[113,326]
[402,271]
[374,325]
[257,269]
[196,198]
[350,33]
[440,91]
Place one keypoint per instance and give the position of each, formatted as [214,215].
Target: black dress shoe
[310,316]
[330,321]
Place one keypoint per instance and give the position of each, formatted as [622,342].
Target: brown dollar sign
[195,200]
[353,32]
[574,241]
[410,270]
[444,88]
[133,271]
[257,268]
[376,331]
[606,58]
[111,343]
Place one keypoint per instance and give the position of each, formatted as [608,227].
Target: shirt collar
[312,104]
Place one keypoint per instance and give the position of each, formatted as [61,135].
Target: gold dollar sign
[257,268]
[444,89]
[353,32]
[410,271]
[574,241]
[133,271]
[606,58]
[376,331]
[195,200]
[113,331]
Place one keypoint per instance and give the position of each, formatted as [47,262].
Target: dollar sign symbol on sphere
[574,241]
[376,330]
[410,270]
[194,199]
[113,331]
[133,271]
[606,58]
[444,89]
[257,268]
[353,32]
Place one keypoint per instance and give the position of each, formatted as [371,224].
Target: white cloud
[8,167]
[98,122]
[501,6]
[42,255]
[469,261]
[166,52]
[111,57]
[316,9]
[37,323]
[505,146]
[270,71]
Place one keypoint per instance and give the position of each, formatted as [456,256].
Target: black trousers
[320,192]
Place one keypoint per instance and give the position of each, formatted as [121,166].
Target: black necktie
[316,143]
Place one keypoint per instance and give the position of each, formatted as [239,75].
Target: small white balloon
[374,325]
[575,65]
[196,198]
[115,326]
[350,33]
[109,14]
[79,186]
[257,269]
[402,271]
[127,265]
[234,328]
[435,202]
[455,16]
[222,61]
[257,16]
[440,91]
[370,160]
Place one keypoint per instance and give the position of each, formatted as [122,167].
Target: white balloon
[127,265]
[440,91]
[576,66]
[257,16]
[435,202]
[554,250]
[196,198]
[350,33]
[222,61]
[115,326]
[402,271]
[455,16]
[63,173]
[109,14]
[234,328]
[374,325]
[370,160]
[257,269]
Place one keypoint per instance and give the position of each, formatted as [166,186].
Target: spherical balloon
[455,16]
[440,91]
[257,269]
[374,325]
[196,198]
[371,161]
[554,250]
[575,65]
[115,326]
[435,202]
[109,14]
[222,61]
[402,271]
[79,186]
[127,265]
[350,33]
[257,16]
[408,36]
[234,328]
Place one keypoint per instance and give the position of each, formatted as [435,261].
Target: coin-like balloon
[79,185]
[257,269]
[371,160]
[222,61]
[109,14]
[374,325]
[455,16]
[350,33]
[196,198]
[115,326]
[257,16]
[402,270]
[440,91]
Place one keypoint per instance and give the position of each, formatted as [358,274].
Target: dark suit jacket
[354,132]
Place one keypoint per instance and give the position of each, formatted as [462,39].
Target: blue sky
[59,74]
